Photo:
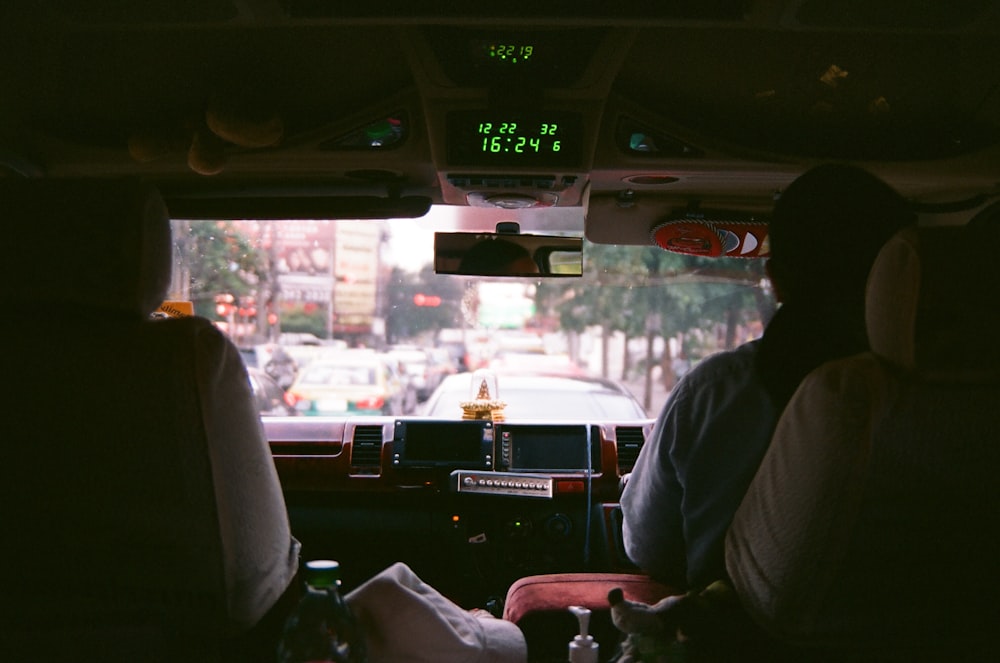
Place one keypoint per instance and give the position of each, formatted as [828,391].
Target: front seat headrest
[84,244]
[931,304]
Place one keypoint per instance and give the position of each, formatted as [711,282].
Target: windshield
[294,294]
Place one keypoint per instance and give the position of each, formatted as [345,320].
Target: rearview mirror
[507,254]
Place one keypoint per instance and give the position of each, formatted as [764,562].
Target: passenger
[708,441]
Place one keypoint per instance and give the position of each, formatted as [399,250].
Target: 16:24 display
[509,137]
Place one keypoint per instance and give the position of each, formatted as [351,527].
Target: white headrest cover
[931,303]
[84,244]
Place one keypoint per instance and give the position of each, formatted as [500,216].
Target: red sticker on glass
[691,237]
[733,239]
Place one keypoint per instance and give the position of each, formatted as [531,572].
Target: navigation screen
[533,448]
[443,443]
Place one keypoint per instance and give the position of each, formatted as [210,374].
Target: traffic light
[224,305]
[420,299]
[247,307]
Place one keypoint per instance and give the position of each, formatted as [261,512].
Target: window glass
[292,293]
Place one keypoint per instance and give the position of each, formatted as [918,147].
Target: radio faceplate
[502,483]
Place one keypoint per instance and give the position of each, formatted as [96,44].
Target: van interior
[576,129]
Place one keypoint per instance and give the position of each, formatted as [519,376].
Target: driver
[498,257]
[708,441]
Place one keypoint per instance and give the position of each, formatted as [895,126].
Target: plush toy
[650,630]
[230,119]
[655,633]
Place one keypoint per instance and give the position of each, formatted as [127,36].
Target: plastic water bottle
[322,629]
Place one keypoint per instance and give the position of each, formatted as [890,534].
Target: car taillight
[370,403]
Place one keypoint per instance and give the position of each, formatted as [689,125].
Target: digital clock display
[507,52]
[536,139]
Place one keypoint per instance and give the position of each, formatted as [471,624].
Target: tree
[222,261]
[405,319]
[301,318]
[648,291]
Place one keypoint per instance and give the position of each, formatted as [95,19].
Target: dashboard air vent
[630,440]
[366,450]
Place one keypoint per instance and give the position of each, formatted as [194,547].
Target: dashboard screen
[458,444]
[485,138]
[549,448]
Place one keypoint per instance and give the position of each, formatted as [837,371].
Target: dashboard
[386,454]
[470,505]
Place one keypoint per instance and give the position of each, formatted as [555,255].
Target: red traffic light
[421,299]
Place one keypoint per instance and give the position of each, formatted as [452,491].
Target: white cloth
[405,620]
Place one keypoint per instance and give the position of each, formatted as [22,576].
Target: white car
[539,396]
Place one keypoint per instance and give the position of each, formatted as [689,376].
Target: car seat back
[137,489]
[873,523]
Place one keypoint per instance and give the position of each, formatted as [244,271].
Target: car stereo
[420,443]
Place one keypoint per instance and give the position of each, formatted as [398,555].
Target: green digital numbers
[510,53]
[514,137]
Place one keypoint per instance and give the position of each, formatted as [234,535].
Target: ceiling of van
[681,98]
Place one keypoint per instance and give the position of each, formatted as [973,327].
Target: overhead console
[515,158]
[539,58]
[512,114]
[522,138]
